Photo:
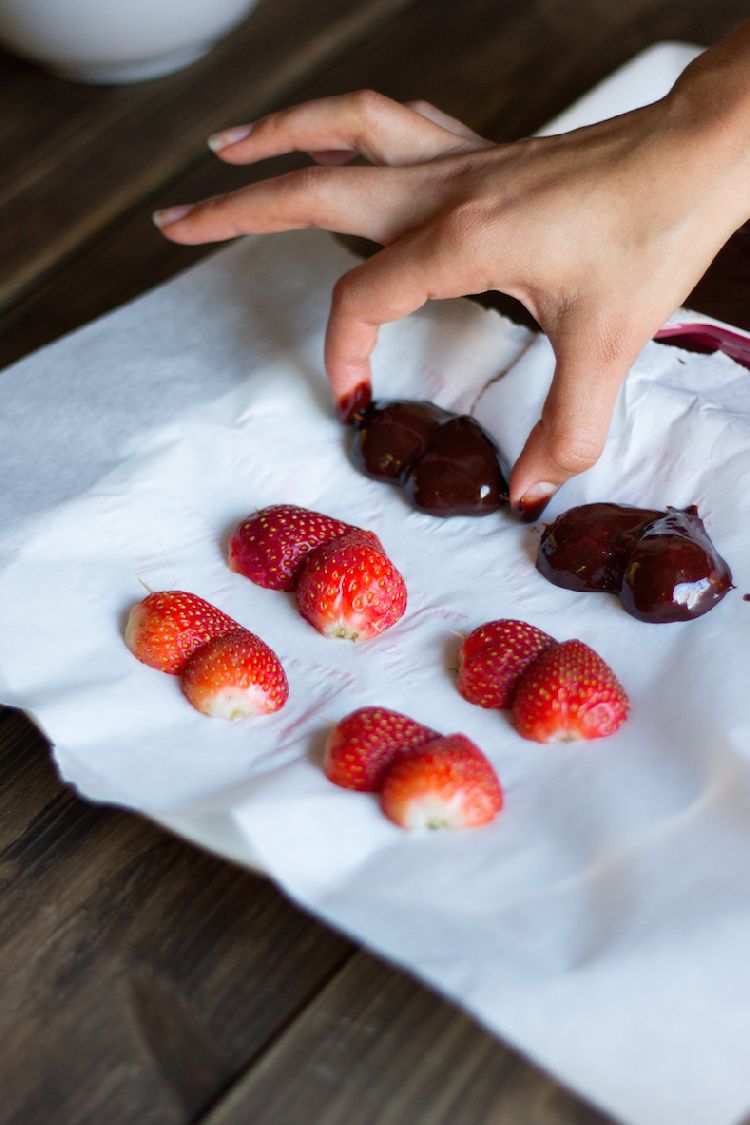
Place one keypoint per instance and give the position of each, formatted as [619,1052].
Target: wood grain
[103,149]
[376,1048]
[139,974]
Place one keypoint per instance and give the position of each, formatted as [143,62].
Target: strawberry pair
[227,671]
[555,692]
[426,780]
[345,584]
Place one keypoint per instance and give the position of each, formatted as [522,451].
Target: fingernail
[170,215]
[352,404]
[219,141]
[534,501]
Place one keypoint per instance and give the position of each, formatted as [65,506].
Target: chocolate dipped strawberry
[662,564]
[674,573]
[447,463]
[459,473]
[392,436]
[588,548]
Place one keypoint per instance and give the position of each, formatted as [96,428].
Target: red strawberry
[235,676]
[270,546]
[492,658]
[363,745]
[166,628]
[349,588]
[568,693]
[448,784]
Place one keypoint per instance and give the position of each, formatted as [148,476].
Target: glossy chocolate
[662,564]
[393,435]
[459,472]
[588,547]
[675,572]
[448,464]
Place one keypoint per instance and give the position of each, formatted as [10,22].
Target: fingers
[572,431]
[450,124]
[378,204]
[392,284]
[362,123]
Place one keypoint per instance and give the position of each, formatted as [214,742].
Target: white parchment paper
[602,923]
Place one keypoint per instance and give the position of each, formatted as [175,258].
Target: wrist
[711,144]
[709,110]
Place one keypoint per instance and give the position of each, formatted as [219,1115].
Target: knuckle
[343,297]
[369,104]
[573,451]
[311,182]
[461,223]
[420,105]
[224,210]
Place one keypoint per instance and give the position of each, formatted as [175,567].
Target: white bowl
[114,41]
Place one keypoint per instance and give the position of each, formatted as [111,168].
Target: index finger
[395,282]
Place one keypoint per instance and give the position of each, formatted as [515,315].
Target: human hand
[600,233]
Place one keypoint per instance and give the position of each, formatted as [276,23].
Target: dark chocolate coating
[587,548]
[459,473]
[448,464]
[675,572]
[392,435]
[662,564]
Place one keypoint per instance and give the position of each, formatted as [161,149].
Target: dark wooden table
[143,980]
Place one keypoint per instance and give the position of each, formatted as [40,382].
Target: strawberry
[363,745]
[447,784]
[567,693]
[235,676]
[492,658]
[349,588]
[270,546]
[166,628]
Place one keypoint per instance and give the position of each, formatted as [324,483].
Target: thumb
[572,431]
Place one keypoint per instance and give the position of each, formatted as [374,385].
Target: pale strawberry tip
[235,703]
[349,588]
[448,783]
[235,676]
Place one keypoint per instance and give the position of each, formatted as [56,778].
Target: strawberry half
[365,743]
[270,546]
[349,588]
[568,693]
[447,784]
[493,657]
[166,628]
[235,676]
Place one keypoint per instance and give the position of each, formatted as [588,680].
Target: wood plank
[140,974]
[376,1048]
[584,42]
[105,148]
